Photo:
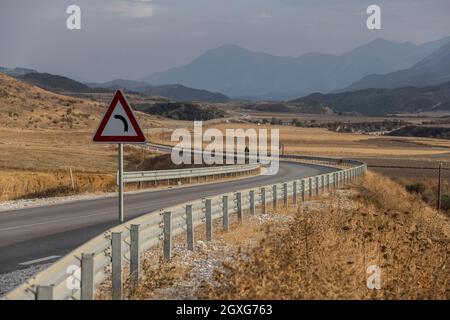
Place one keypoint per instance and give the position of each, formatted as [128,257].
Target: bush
[445,201]
[415,187]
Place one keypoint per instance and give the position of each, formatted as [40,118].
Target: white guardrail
[76,275]
[178,174]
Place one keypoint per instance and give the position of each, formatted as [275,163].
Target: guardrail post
[294,193]
[116,244]
[334,180]
[134,255]
[317,186]
[87,276]
[208,215]
[225,213]
[263,200]
[239,206]
[328,182]
[167,232]
[44,292]
[285,194]
[310,187]
[323,184]
[252,202]
[189,228]
[274,196]
[303,191]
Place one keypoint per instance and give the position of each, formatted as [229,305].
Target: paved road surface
[51,231]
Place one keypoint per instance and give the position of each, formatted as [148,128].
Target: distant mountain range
[175,92]
[238,72]
[53,82]
[433,69]
[18,71]
[383,101]
[58,83]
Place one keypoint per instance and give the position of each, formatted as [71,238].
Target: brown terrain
[320,250]
[43,135]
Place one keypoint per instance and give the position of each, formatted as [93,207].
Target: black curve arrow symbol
[125,123]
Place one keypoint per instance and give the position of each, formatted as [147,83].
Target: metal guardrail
[178,174]
[76,275]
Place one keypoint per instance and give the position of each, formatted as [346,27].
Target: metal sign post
[120,146]
[119,126]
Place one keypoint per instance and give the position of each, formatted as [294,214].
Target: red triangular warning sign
[119,123]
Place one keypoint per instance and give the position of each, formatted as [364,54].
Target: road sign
[119,125]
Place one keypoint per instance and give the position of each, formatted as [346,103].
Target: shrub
[445,201]
[415,187]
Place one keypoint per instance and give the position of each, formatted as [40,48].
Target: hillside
[16,71]
[179,92]
[383,101]
[182,111]
[174,92]
[57,83]
[432,70]
[26,106]
[238,72]
[129,85]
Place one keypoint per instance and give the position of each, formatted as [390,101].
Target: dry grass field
[46,133]
[320,250]
[43,135]
[325,251]
[319,141]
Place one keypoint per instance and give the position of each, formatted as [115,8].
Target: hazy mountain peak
[17,71]
[239,72]
[431,70]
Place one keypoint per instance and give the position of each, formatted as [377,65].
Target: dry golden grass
[325,252]
[18,184]
[319,141]
[25,106]
[43,134]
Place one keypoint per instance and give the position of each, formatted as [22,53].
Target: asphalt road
[51,231]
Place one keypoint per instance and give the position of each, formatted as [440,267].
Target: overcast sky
[134,38]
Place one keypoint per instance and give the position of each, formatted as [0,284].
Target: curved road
[51,231]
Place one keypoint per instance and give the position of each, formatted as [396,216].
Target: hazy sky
[134,38]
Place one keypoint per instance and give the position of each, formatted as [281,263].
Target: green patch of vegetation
[419,131]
